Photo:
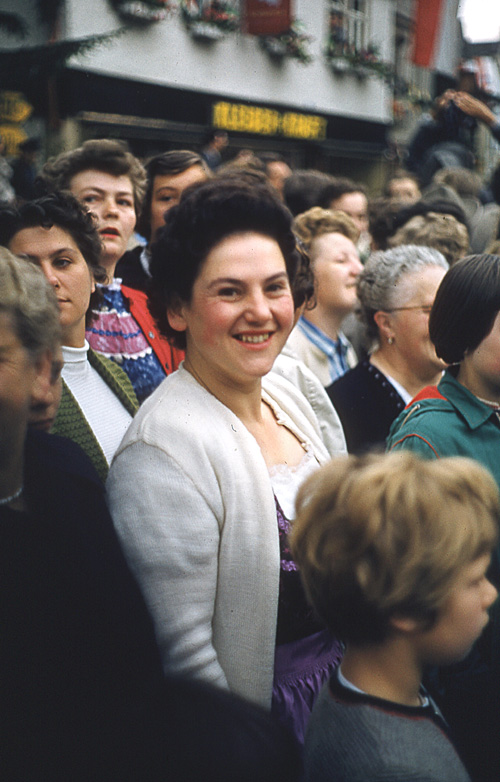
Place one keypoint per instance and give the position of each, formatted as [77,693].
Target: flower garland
[142,11]
[362,62]
[292,43]
[209,19]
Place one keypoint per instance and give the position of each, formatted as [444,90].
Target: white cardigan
[191,498]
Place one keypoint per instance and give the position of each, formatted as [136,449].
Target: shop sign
[268,122]
[12,135]
[14,107]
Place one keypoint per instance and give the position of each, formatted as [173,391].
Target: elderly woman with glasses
[396,290]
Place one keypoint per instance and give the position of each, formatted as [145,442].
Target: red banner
[427,27]
[267,17]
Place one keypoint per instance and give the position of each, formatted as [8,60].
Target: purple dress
[306,653]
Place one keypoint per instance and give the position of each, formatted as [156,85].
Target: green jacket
[449,421]
[70,421]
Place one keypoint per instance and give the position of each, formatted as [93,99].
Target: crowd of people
[211,568]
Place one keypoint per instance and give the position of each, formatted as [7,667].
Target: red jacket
[169,357]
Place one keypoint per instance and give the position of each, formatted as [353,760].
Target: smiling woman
[318,340]
[240,311]
[218,454]
[109,181]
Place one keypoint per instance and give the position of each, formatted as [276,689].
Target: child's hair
[380,535]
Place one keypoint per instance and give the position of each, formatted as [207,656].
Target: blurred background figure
[396,290]
[443,202]
[441,231]
[466,184]
[403,187]
[382,213]
[317,339]
[486,226]
[302,189]
[7,192]
[24,169]
[168,175]
[215,142]
[277,170]
[347,196]
[445,139]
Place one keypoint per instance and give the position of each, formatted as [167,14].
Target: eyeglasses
[424,310]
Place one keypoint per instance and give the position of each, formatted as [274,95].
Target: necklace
[194,373]
[7,500]
[493,405]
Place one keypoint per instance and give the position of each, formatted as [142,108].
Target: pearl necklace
[7,500]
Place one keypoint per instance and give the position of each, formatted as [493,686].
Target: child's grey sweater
[354,737]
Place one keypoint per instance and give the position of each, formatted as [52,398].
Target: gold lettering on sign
[243,118]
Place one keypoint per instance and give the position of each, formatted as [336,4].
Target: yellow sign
[13,136]
[14,107]
[267,122]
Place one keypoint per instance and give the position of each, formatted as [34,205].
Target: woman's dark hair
[466,305]
[337,188]
[65,212]
[302,189]
[167,164]
[204,217]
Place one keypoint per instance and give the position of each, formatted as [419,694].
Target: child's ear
[405,624]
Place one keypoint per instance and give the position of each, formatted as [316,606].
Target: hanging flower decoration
[142,11]
[209,19]
[344,58]
[409,100]
[292,43]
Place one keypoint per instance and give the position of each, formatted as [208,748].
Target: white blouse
[105,414]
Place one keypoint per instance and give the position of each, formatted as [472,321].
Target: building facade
[162,84]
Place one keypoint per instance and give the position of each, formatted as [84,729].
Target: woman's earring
[390,340]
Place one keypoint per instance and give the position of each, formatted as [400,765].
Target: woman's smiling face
[240,313]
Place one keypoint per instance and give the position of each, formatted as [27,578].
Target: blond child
[393,552]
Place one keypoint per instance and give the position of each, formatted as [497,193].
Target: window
[347,27]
